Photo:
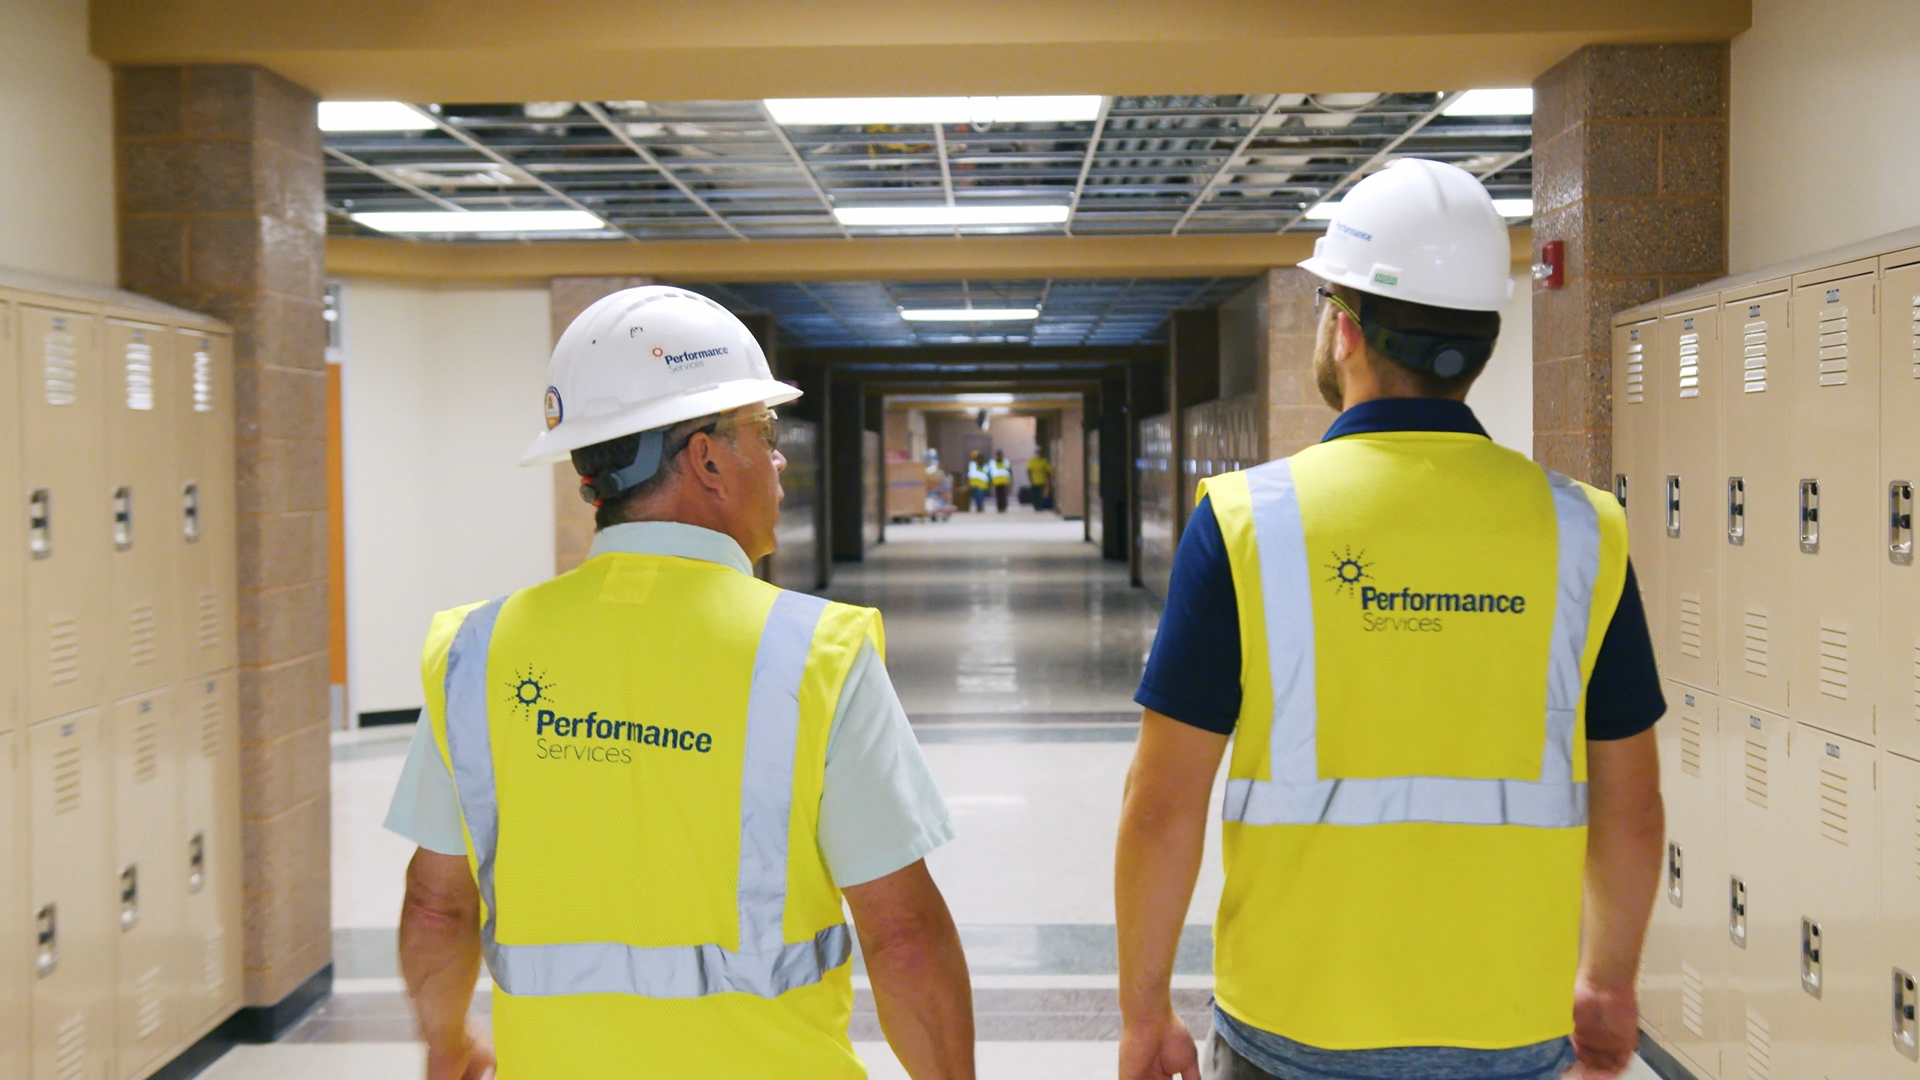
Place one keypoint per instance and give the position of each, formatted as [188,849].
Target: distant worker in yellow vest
[977,482]
[1431,656]
[1001,474]
[641,790]
[1040,476]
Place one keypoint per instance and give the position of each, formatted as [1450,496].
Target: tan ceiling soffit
[511,50]
[834,260]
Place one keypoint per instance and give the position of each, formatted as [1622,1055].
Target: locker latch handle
[1810,979]
[1620,487]
[46,930]
[1675,888]
[1736,510]
[122,518]
[1673,505]
[1906,1017]
[1900,522]
[190,512]
[40,523]
[130,897]
[196,862]
[1810,516]
[1737,911]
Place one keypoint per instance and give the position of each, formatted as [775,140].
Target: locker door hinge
[46,930]
[1810,516]
[1673,505]
[197,862]
[40,523]
[1675,887]
[190,511]
[1900,522]
[1737,911]
[1906,1024]
[1810,978]
[122,518]
[1736,510]
[130,897]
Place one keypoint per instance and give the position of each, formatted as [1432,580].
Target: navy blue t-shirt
[1193,673]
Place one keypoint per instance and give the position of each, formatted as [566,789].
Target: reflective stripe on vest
[1296,794]
[765,964]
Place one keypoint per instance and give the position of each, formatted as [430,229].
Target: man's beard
[1326,375]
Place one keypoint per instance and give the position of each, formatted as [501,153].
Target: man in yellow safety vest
[641,790]
[1432,659]
[1001,474]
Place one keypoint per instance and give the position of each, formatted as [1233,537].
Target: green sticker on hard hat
[1381,277]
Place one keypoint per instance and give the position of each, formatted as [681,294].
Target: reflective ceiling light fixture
[984,399]
[936,216]
[1514,208]
[1515,102]
[479,221]
[935,110]
[372,116]
[969,314]
[1322,211]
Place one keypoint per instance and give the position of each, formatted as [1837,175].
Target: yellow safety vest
[1406,804]
[639,747]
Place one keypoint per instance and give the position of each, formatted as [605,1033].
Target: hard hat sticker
[555,410]
[1381,277]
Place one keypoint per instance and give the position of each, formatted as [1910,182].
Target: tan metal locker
[1897,718]
[141,627]
[16,928]
[1839,1015]
[64,493]
[1667,932]
[1761,929]
[151,878]
[72,898]
[209,963]
[1760,542]
[1636,457]
[1899,1045]
[203,497]
[1694,891]
[13,539]
[1840,504]
[1691,382]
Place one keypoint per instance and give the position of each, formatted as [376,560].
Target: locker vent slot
[147,999]
[1690,624]
[1833,805]
[146,751]
[1693,1000]
[1833,347]
[1915,343]
[1757,772]
[70,1049]
[1690,365]
[202,381]
[1636,373]
[142,636]
[1833,660]
[210,729]
[139,376]
[209,619]
[1916,680]
[1759,1047]
[61,374]
[213,960]
[63,651]
[1754,653]
[1690,744]
[1916,840]
[66,780]
[1756,358]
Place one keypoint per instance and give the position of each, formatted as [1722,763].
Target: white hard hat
[1422,231]
[648,358]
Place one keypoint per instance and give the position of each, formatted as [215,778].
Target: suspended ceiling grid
[713,170]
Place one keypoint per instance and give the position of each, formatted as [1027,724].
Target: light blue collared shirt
[880,810]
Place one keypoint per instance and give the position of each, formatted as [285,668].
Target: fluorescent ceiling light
[1322,211]
[947,216]
[935,110]
[372,116]
[984,399]
[969,314]
[479,221]
[1514,102]
[1514,207]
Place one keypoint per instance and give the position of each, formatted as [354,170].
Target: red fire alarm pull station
[1551,270]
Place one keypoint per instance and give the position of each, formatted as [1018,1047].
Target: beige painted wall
[442,391]
[1503,395]
[56,144]
[1825,139]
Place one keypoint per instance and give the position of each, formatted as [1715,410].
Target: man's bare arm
[440,959]
[1163,833]
[919,974]
[1625,833]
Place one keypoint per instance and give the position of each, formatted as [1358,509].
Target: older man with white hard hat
[1432,660]
[641,790]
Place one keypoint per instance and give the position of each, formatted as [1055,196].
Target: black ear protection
[1443,357]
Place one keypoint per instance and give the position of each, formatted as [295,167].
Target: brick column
[1630,173]
[567,297]
[1296,414]
[221,210]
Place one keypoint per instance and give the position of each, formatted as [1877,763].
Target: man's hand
[1606,1031]
[468,1057]
[440,959]
[1158,1048]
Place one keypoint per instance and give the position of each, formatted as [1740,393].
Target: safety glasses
[1323,296]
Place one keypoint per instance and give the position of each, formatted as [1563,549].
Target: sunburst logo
[1349,568]
[528,691]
